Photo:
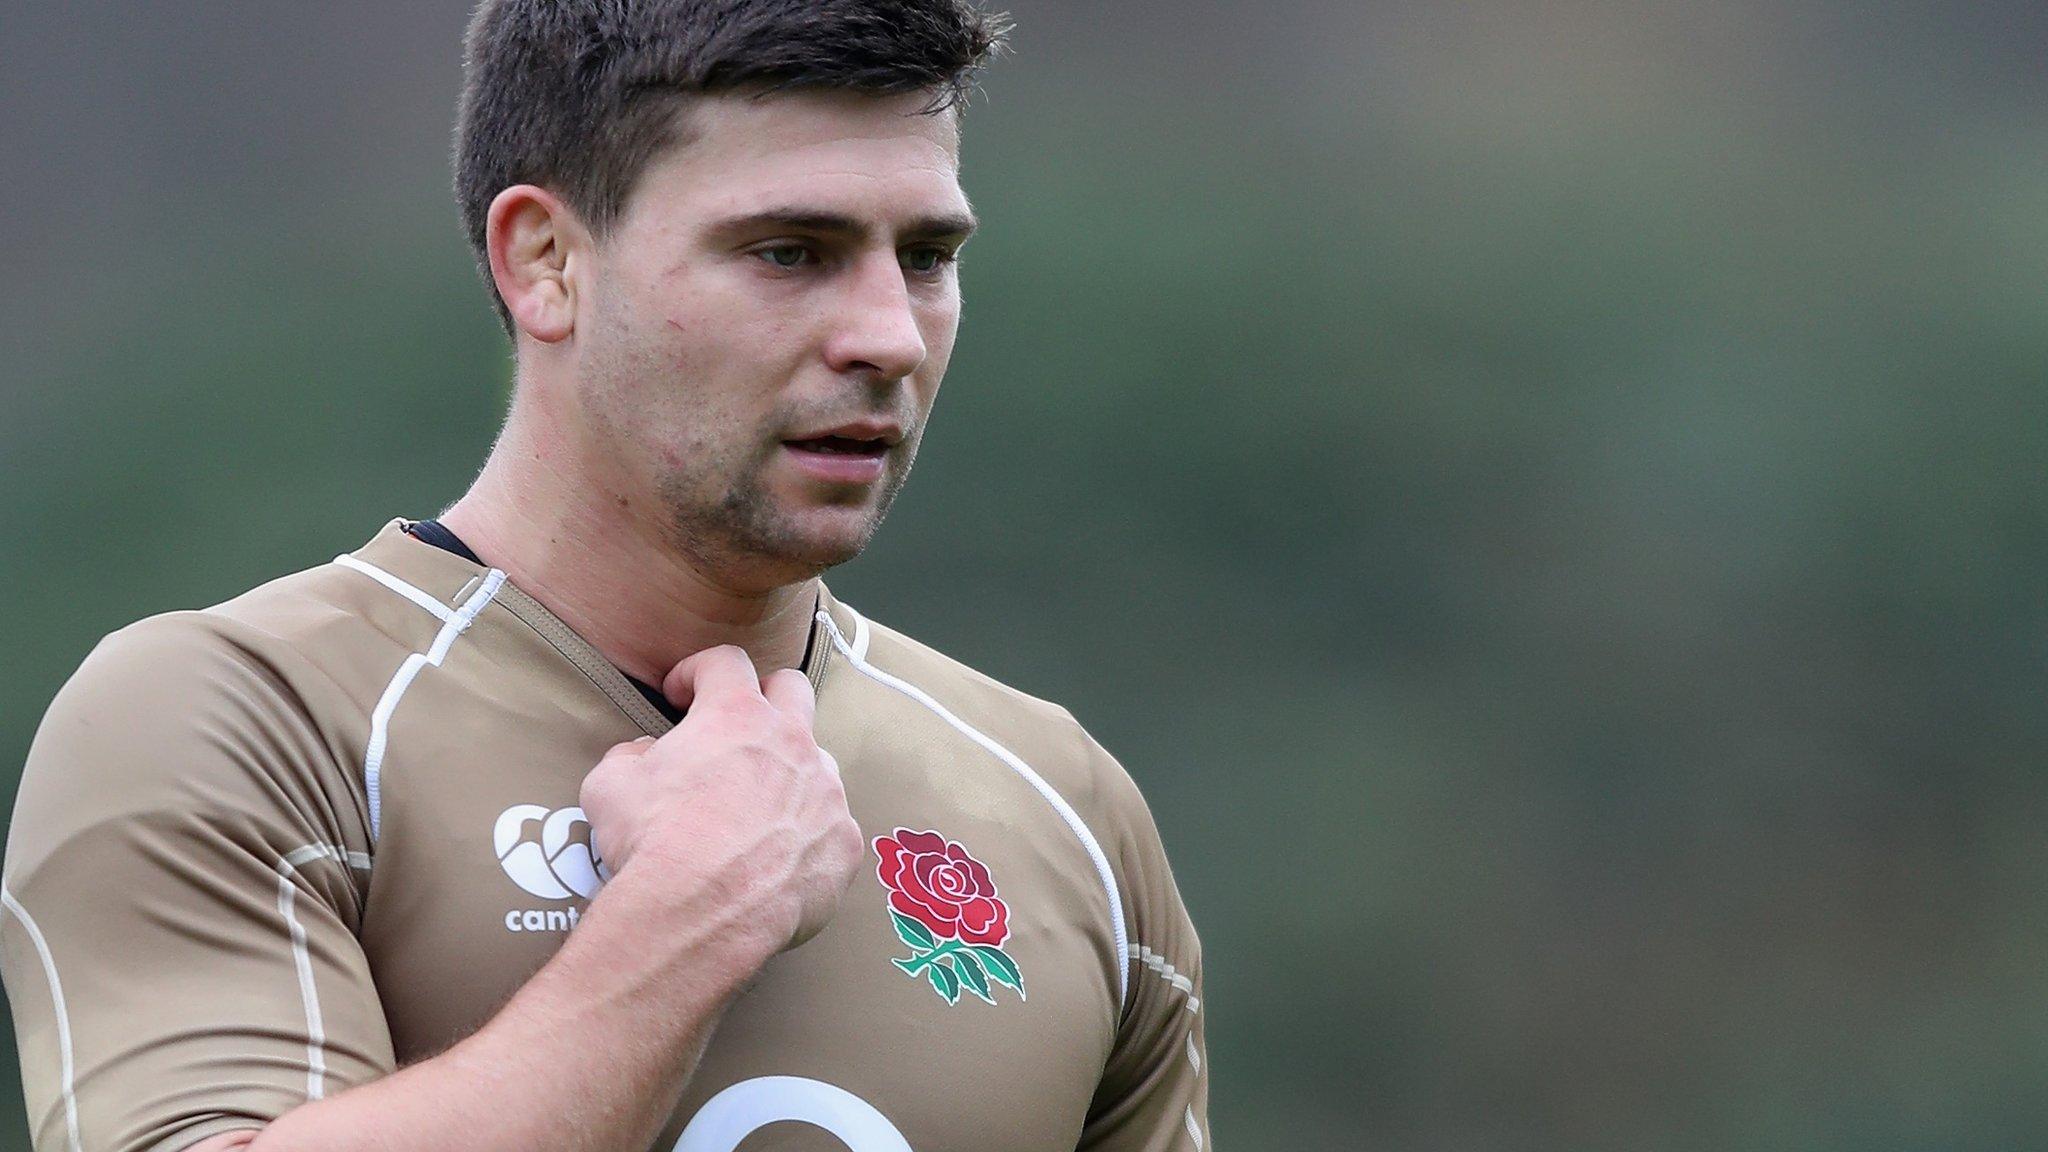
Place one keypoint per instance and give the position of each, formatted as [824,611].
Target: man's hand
[737,809]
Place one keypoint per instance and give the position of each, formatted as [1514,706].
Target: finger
[829,761]
[635,747]
[790,691]
[722,671]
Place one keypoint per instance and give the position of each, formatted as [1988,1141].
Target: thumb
[722,671]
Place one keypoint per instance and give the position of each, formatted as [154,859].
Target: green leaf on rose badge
[944,980]
[971,974]
[911,932]
[944,907]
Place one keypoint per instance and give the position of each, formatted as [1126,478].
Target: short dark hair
[577,96]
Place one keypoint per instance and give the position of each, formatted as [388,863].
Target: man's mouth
[850,454]
[841,446]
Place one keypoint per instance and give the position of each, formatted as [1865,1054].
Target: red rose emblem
[937,883]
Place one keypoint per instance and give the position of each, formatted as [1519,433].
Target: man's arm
[631,998]
[154,837]
[1154,1093]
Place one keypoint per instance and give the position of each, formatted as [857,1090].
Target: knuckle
[792,737]
[780,743]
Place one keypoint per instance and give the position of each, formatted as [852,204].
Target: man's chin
[796,548]
[760,539]
[816,547]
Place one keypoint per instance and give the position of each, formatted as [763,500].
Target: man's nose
[876,332]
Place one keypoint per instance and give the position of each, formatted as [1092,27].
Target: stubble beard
[725,521]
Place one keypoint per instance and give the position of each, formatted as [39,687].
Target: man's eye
[785,255]
[926,259]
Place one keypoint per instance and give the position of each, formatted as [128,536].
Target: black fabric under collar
[436,533]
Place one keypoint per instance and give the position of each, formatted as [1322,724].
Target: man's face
[768,324]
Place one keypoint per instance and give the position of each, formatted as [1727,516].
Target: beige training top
[276,848]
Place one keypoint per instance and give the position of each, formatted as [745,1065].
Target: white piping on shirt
[856,654]
[860,636]
[1179,980]
[65,1071]
[452,626]
[302,960]
[1185,987]
[441,611]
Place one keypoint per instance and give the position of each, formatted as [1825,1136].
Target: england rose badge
[945,908]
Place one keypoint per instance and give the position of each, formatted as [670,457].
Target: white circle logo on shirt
[553,866]
[751,1105]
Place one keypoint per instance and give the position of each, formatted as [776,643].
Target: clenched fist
[738,812]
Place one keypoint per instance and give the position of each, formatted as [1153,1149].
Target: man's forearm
[591,1054]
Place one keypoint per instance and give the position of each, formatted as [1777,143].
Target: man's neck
[575,546]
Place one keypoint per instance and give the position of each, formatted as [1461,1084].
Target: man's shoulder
[320,619]
[245,714]
[921,664]
[1033,733]
[309,650]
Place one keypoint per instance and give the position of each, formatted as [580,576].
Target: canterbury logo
[554,867]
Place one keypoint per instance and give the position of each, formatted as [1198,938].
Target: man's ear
[537,247]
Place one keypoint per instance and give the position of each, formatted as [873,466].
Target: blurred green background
[1547,499]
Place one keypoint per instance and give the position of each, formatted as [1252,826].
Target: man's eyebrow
[944,224]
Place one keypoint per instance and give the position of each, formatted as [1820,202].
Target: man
[585,817]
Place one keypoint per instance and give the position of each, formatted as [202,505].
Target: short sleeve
[182,888]
[1154,1094]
